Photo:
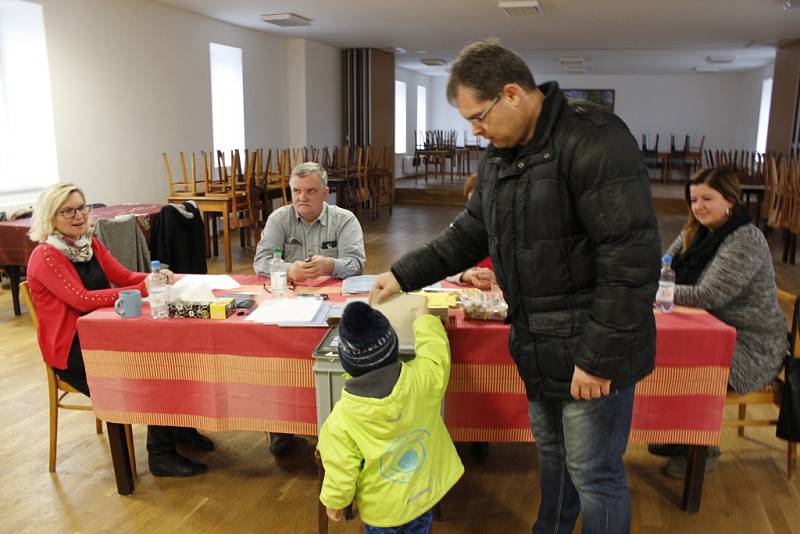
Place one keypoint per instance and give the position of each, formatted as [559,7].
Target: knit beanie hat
[367,340]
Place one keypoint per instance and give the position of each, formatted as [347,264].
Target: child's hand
[335,515]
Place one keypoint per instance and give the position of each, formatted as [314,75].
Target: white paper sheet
[283,310]
[214,281]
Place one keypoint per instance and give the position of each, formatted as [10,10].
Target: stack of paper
[285,311]
[358,284]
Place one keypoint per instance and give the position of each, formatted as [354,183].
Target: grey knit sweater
[738,287]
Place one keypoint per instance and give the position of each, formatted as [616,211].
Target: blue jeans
[420,525]
[581,444]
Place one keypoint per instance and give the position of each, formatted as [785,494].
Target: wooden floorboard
[245,490]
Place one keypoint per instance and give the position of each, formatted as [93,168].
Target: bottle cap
[276,250]
[667,260]
[155,264]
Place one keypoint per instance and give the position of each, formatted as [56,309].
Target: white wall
[750,107]
[710,105]
[323,95]
[130,80]
[296,84]
[412,80]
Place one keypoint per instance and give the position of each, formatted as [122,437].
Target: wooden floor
[246,491]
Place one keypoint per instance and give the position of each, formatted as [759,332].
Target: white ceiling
[612,36]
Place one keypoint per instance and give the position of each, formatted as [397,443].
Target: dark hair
[486,67]
[470,184]
[725,181]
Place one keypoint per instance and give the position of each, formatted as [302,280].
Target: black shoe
[666,449]
[676,467]
[174,465]
[280,443]
[480,450]
[193,439]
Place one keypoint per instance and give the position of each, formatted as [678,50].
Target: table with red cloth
[235,374]
[16,247]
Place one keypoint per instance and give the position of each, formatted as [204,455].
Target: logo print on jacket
[405,456]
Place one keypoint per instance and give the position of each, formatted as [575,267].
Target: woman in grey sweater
[723,264]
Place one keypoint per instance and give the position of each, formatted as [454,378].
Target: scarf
[77,250]
[689,265]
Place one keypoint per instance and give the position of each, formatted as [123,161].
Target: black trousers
[160,439]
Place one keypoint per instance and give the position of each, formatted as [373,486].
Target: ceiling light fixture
[285,20]
[433,61]
[721,58]
[575,70]
[521,8]
[571,61]
[704,68]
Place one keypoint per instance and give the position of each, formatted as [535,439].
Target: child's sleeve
[342,460]
[432,351]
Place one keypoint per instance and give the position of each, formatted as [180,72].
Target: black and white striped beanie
[367,340]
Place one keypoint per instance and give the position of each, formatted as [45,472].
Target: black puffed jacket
[569,224]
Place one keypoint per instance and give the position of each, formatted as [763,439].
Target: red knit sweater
[61,298]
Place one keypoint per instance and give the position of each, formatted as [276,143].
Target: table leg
[14,275]
[759,199]
[226,230]
[207,219]
[119,457]
[214,234]
[693,483]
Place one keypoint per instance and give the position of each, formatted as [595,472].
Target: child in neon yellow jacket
[384,444]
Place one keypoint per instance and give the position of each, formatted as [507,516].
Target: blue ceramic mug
[129,303]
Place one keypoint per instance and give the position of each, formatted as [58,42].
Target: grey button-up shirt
[336,233]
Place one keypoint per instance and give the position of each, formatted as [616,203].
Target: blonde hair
[47,204]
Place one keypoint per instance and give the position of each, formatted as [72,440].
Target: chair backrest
[646,149]
[792,302]
[25,291]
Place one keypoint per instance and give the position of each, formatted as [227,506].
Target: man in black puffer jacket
[564,210]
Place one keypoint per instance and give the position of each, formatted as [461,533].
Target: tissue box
[195,310]
[222,308]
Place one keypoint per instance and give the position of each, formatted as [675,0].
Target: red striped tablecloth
[232,374]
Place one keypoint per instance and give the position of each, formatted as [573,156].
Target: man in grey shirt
[318,239]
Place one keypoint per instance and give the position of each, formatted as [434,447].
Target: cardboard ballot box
[329,375]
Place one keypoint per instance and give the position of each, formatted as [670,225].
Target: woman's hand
[479,277]
[170,276]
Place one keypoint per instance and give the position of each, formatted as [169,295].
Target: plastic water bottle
[277,272]
[666,286]
[158,292]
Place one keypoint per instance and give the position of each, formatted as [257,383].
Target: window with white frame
[28,159]
[227,98]
[399,117]
[422,112]
[763,115]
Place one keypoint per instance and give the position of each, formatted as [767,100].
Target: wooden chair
[679,159]
[276,177]
[59,389]
[364,188]
[381,177]
[187,186]
[772,393]
[694,158]
[650,155]
[238,187]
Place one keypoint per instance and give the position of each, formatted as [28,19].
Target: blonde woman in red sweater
[70,273]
